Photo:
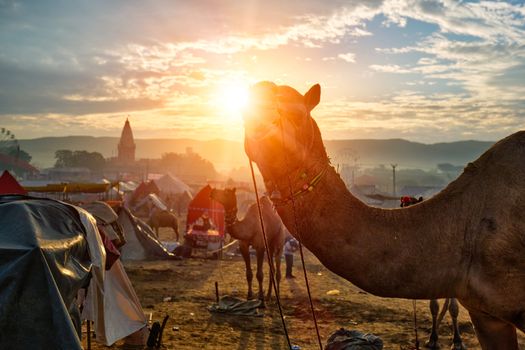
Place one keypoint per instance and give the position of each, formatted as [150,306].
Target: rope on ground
[270,258]
[224,248]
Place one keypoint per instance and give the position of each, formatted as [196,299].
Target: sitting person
[203,223]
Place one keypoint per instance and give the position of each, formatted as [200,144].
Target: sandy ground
[191,286]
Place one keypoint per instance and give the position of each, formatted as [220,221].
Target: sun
[231,99]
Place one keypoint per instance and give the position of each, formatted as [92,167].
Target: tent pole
[88,335]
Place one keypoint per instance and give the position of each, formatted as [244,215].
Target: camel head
[226,197]
[280,135]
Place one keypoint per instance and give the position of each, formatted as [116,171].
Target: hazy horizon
[237,140]
[426,71]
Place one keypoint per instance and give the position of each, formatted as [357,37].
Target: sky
[427,71]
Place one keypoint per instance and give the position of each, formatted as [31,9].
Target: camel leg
[270,279]
[260,274]
[245,251]
[493,333]
[432,342]
[176,230]
[453,309]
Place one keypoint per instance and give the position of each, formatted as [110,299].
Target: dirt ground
[191,286]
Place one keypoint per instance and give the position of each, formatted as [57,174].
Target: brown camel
[249,233]
[163,218]
[467,242]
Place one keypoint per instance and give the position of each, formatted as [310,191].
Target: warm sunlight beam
[230,99]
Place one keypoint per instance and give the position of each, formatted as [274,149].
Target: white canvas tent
[141,243]
[114,306]
[169,184]
[111,302]
[150,201]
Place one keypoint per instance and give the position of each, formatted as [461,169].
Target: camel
[163,218]
[450,304]
[249,233]
[467,242]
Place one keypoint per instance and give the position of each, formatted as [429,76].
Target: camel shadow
[253,331]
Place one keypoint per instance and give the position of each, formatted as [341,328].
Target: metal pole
[394,179]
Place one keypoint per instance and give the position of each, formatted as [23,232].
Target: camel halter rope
[291,198]
[306,189]
[270,258]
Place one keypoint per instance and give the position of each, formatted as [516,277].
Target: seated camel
[163,218]
[249,233]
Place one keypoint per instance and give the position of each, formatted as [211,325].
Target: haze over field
[427,71]
[226,155]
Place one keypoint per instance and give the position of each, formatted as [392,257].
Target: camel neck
[298,182]
[379,250]
[237,228]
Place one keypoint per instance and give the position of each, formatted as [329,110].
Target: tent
[43,264]
[114,307]
[9,185]
[143,190]
[180,202]
[141,243]
[202,202]
[169,184]
[147,203]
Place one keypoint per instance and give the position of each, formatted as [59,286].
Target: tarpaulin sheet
[234,306]
[44,260]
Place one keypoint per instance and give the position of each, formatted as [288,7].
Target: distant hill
[230,154]
[405,153]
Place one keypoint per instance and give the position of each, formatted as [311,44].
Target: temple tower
[126,145]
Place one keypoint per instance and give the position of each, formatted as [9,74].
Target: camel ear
[312,97]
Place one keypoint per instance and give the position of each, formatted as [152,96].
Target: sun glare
[231,99]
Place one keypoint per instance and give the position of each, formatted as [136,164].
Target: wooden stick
[88,334]
[217,291]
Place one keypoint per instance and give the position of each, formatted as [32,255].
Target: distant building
[126,145]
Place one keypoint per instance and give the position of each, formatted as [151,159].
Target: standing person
[290,247]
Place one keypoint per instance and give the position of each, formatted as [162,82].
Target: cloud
[389,68]
[348,57]
[408,114]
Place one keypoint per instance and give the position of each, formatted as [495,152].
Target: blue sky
[427,71]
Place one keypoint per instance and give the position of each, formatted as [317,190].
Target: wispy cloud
[348,57]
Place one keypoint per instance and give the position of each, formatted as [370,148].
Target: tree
[91,160]
[20,154]
[188,166]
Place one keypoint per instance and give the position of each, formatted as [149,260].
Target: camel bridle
[304,188]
